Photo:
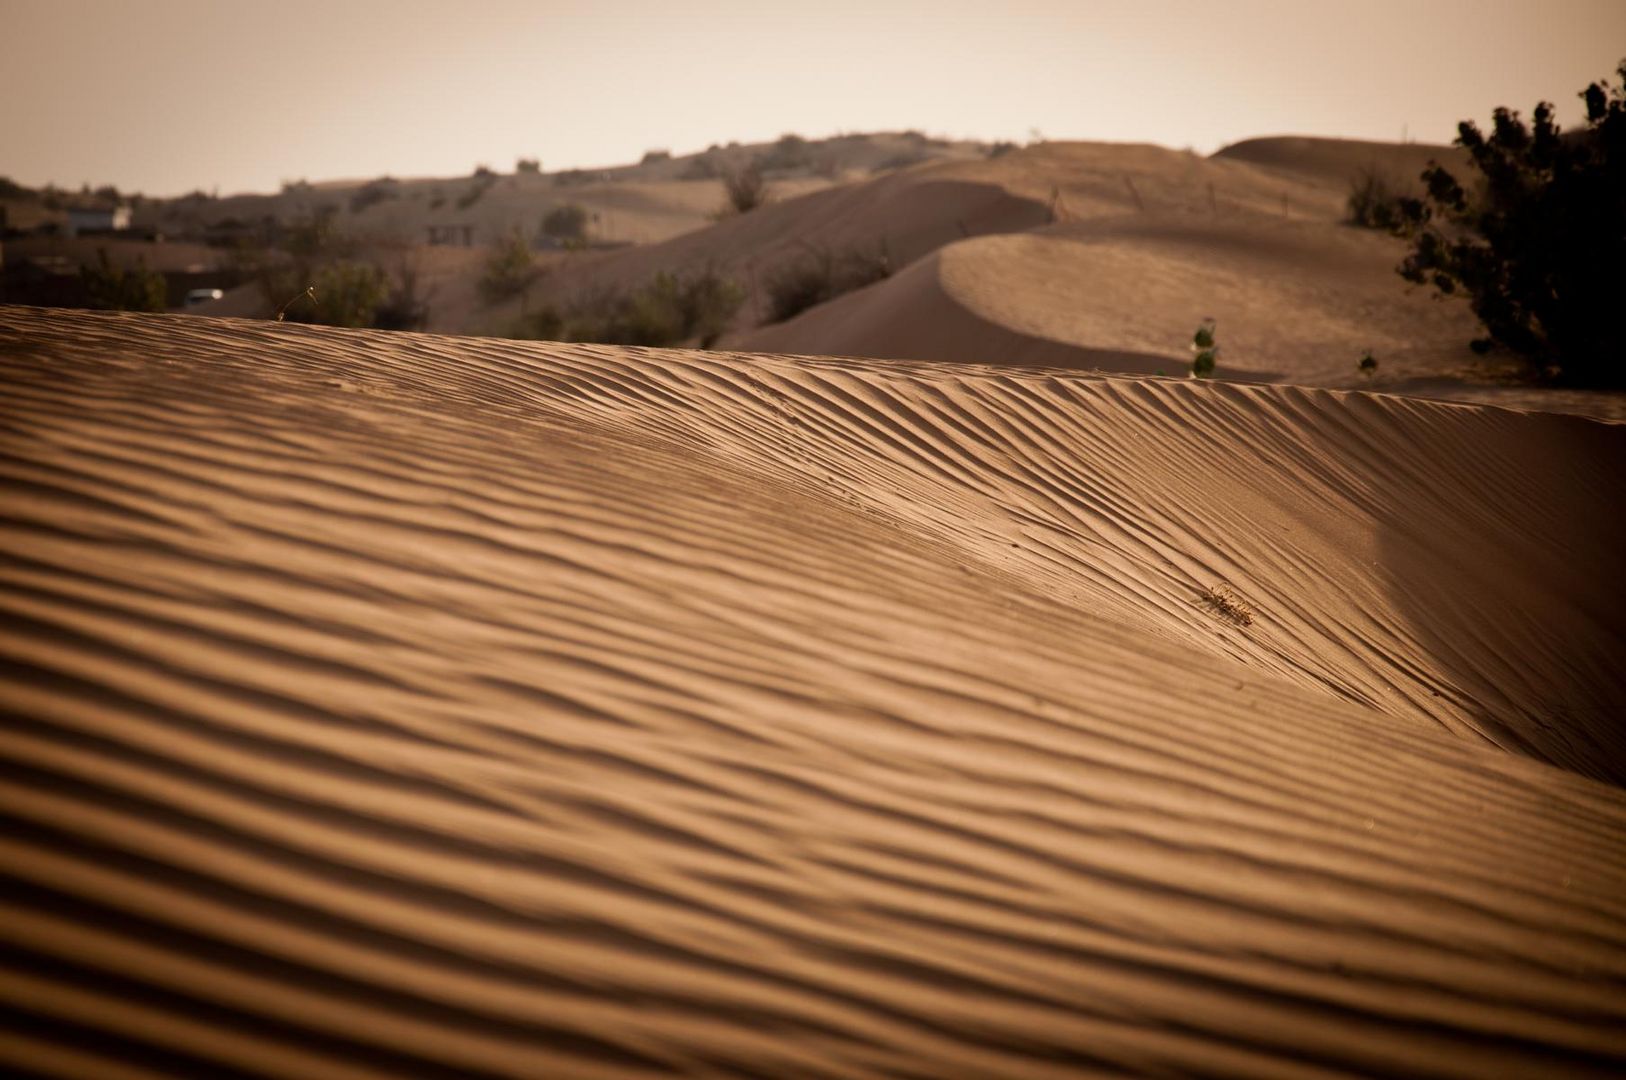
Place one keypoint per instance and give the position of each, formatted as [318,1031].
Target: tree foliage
[1539,246]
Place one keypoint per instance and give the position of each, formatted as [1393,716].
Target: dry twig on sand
[1227,604]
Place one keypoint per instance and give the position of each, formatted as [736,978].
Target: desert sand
[391,704]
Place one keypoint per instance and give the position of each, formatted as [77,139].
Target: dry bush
[745,188]
[1221,600]
[820,276]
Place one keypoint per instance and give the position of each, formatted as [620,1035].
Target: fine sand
[385,704]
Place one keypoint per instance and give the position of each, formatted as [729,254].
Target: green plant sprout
[1202,344]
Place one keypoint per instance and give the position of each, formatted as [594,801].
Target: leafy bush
[113,288]
[668,311]
[1204,351]
[565,222]
[1373,202]
[404,308]
[1540,248]
[819,276]
[343,292]
[508,270]
[745,188]
[348,294]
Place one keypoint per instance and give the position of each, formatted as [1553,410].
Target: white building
[98,219]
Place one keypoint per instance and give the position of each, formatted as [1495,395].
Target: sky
[168,96]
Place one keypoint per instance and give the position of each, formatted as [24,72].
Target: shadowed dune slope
[384,705]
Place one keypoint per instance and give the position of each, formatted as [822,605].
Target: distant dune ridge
[388,704]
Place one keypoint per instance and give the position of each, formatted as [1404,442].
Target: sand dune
[1297,301]
[386,704]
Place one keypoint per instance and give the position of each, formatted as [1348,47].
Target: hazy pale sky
[165,96]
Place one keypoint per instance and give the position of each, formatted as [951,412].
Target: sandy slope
[1140,243]
[388,704]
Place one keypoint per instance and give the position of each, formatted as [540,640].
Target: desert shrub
[10,189]
[566,222]
[405,307]
[114,288]
[654,157]
[484,172]
[1373,201]
[670,310]
[341,292]
[702,167]
[1000,149]
[1205,353]
[745,188]
[527,165]
[819,276]
[348,294]
[508,270]
[1539,249]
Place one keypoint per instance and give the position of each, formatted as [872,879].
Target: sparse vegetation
[508,270]
[346,294]
[115,288]
[1206,352]
[1539,250]
[1368,365]
[10,189]
[1373,202]
[654,157]
[745,188]
[527,165]
[668,311]
[820,276]
[1000,149]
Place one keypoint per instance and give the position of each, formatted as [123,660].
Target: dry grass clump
[1227,604]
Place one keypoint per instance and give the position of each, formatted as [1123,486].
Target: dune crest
[387,704]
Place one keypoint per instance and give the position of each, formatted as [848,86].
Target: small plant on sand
[1368,365]
[1204,350]
[308,294]
[1225,603]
